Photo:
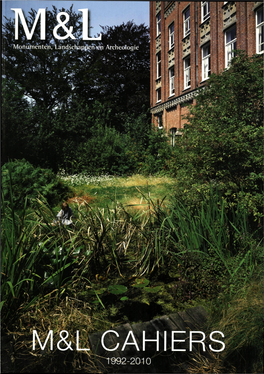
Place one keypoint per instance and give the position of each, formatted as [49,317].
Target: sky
[104,13]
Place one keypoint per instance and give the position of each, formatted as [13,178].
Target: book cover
[120,252]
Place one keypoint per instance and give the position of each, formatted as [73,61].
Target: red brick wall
[246,40]
[152,52]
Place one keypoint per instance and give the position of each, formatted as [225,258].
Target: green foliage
[122,87]
[79,114]
[117,289]
[141,283]
[157,153]
[20,256]
[211,230]
[185,255]
[46,75]
[240,319]
[15,120]
[29,265]
[223,138]
[222,144]
[29,182]
[105,152]
[87,144]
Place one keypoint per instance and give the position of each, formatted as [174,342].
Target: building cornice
[174,102]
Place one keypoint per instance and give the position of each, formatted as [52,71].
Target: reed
[240,318]
[19,256]
[210,230]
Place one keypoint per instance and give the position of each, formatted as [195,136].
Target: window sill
[204,21]
[204,80]
[186,36]
[187,88]
[171,95]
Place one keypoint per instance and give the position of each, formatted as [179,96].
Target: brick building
[188,42]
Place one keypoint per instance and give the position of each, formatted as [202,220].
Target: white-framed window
[206,62]
[230,45]
[186,22]
[173,135]
[259,31]
[158,23]
[172,81]
[158,94]
[187,72]
[158,57]
[160,123]
[171,35]
[205,7]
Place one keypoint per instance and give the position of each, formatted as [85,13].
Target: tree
[69,92]
[118,78]
[223,139]
[45,74]
[15,118]
[45,81]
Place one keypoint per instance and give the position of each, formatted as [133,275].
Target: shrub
[104,152]
[31,182]
[157,152]
[222,143]
[223,137]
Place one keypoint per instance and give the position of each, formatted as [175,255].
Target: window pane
[231,34]
[187,14]
[205,10]
[206,68]
[171,35]
[186,28]
[158,18]
[158,94]
[206,50]
[261,38]
[158,65]
[259,16]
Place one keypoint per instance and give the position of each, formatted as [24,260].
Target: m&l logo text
[62,19]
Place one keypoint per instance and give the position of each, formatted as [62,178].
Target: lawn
[132,191]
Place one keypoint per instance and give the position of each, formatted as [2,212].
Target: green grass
[107,192]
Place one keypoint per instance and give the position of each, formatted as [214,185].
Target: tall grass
[210,229]
[19,256]
[24,251]
[120,240]
[240,318]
